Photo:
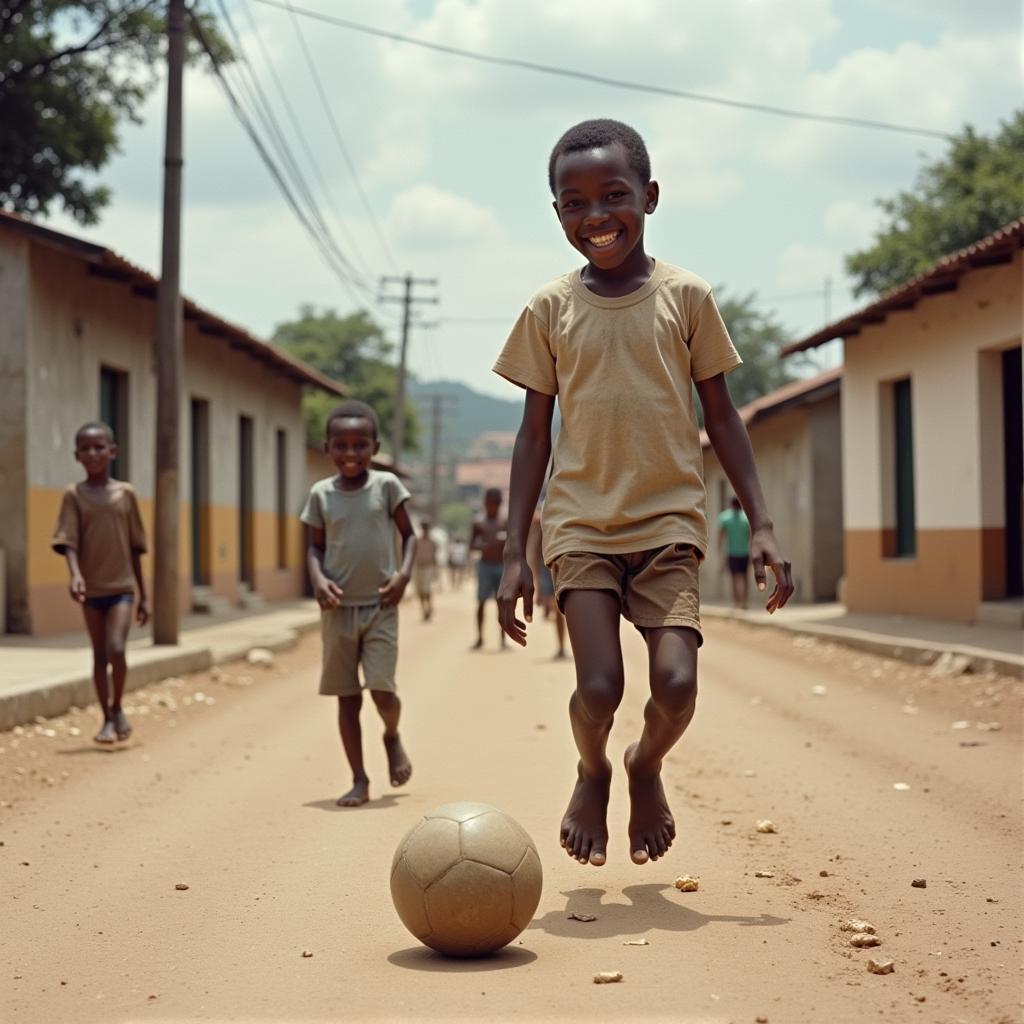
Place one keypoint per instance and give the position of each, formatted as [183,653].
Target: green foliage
[456,518]
[353,350]
[977,187]
[70,71]
[758,338]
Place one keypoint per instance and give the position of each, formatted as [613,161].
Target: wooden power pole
[169,350]
[437,415]
[407,299]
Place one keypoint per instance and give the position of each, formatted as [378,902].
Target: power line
[332,120]
[586,76]
[275,172]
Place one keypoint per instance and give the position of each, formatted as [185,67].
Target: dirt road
[229,789]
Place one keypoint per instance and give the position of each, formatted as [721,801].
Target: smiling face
[601,204]
[95,450]
[351,444]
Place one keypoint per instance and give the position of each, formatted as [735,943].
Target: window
[905,537]
[281,469]
[114,412]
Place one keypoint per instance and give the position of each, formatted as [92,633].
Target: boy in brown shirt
[100,533]
[620,344]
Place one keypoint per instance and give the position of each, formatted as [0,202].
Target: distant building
[795,434]
[472,479]
[76,344]
[932,439]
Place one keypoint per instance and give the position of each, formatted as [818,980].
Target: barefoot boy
[100,533]
[356,579]
[619,343]
[488,537]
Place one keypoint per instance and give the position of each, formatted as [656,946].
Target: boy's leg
[672,653]
[390,709]
[380,659]
[593,620]
[480,605]
[119,620]
[96,624]
[352,742]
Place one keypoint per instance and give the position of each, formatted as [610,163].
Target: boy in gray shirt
[358,584]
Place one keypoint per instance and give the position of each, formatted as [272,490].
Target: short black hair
[95,425]
[493,494]
[353,409]
[602,132]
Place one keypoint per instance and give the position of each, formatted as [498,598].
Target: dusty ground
[229,788]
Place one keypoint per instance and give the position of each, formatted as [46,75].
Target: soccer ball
[466,879]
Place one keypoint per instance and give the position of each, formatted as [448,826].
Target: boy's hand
[142,612]
[328,593]
[516,582]
[77,588]
[764,552]
[392,591]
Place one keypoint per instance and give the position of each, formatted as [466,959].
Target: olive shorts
[655,588]
[364,635]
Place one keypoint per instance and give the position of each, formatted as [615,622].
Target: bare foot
[478,645]
[651,825]
[399,765]
[357,795]
[107,734]
[121,724]
[584,832]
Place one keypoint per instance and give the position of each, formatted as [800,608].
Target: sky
[451,155]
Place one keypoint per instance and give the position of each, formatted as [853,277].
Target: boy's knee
[115,650]
[384,699]
[599,695]
[350,704]
[675,691]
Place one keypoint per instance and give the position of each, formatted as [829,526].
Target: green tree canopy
[977,187]
[758,338]
[70,70]
[353,350]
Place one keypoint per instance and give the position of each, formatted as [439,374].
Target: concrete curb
[146,665]
[918,652]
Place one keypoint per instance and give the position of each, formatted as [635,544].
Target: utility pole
[169,350]
[437,415]
[407,299]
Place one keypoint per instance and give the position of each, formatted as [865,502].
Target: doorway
[1013,470]
[245,502]
[199,492]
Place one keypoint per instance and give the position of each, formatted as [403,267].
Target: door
[245,502]
[199,491]
[1013,469]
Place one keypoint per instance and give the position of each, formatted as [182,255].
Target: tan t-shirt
[627,472]
[104,528]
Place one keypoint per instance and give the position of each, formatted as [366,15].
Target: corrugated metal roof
[941,276]
[105,262]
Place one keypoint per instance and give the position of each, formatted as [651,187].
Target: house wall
[948,346]
[80,322]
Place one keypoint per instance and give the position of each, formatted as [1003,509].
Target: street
[229,785]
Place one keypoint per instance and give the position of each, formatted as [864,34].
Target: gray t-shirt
[360,552]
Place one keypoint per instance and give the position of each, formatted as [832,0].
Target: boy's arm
[529,464]
[76,584]
[392,591]
[142,612]
[731,442]
[327,592]
[475,539]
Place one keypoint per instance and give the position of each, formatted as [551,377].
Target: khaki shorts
[423,579]
[656,588]
[364,635]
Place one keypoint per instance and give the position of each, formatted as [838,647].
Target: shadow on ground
[379,803]
[649,909]
[98,748]
[419,958]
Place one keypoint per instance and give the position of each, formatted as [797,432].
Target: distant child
[734,543]
[425,570]
[488,537]
[620,343]
[100,533]
[358,584]
[458,555]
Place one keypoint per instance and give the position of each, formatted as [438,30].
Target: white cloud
[427,217]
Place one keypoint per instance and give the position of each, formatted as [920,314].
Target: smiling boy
[358,584]
[620,344]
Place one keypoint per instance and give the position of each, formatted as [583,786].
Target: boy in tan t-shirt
[100,533]
[620,343]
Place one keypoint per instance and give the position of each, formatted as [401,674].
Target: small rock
[726,821]
[181,886]
[636,942]
[901,787]
[865,941]
[823,873]
[988,899]
[540,727]
[585,918]
[761,1020]
[855,924]
[920,883]
[607,977]
[819,691]
[764,874]
[921,998]
[990,726]
[750,774]
[961,724]
[74,731]
[911,709]
[971,743]
[260,656]
[307,953]
[881,966]
[687,883]
[766,826]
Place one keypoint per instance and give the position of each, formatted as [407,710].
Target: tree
[353,350]
[758,338]
[974,189]
[70,71]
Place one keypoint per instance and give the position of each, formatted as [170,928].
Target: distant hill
[469,415]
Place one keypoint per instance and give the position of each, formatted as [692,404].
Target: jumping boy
[619,343]
[488,537]
[99,531]
[358,584]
